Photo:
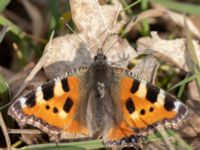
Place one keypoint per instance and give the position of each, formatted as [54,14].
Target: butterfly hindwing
[52,107]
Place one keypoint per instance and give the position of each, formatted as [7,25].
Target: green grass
[145,28]
[180,6]
[12,27]
[55,13]
[3,4]
[183,82]
[92,144]
[192,57]
[4,90]
[127,7]
[97,144]
[168,133]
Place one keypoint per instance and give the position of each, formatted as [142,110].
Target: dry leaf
[178,19]
[94,23]
[193,92]
[192,126]
[172,51]
[195,144]
[16,81]
[147,68]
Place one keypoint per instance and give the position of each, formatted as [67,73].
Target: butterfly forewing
[52,106]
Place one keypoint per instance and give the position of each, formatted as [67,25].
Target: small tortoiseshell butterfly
[99,102]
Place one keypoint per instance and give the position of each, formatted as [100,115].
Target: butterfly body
[99,102]
[101,98]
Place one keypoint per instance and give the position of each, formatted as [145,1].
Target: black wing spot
[130,105]
[47,107]
[55,110]
[68,105]
[142,112]
[65,84]
[30,102]
[152,93]
[151,109]
[48,90]
[135,86]
[169,102]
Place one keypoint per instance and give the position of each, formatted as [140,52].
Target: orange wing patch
[121,135]
[54,106]
[119,132]
[144,105]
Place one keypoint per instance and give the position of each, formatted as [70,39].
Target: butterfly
[99,101]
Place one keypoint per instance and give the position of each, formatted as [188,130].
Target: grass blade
[3,33]
[145,29]
[180,6]
[3,4]
[4,91]
[186,80]
[192,57]
[128,7]
[12,27]
[92,144]
[54,8]
[169,133]
[181,90]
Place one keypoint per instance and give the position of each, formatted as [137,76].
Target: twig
[24,131]
[5,132]
[151,13]
[16,144]
[3,32]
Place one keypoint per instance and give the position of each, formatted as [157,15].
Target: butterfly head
[100,58]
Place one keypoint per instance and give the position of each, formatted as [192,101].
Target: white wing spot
[58,90]
[39,95]
[22,101]
[177,105]
[160,100]
[62,114]
[134,115]
[142,91]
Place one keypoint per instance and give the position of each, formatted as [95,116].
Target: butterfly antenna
[108,50]
[109,31]
[104,42]
[107,28]
[80,39]
[134,19]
